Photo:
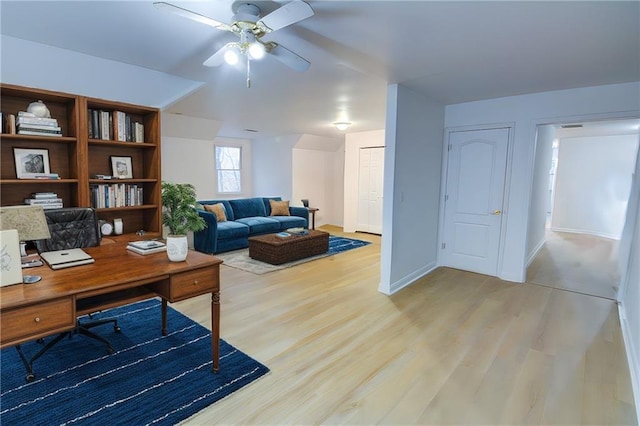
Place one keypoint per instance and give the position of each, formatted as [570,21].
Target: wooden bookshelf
[78,158]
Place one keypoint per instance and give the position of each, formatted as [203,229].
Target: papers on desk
[146,246]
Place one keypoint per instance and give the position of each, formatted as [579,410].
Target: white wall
[527,112]
[540,191]
[629,292]
[592,184]
[317,176]
[413,168]
[272,173]
[353,143]
[188,154]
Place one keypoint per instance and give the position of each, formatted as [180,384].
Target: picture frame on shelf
[121,167]
[31,163]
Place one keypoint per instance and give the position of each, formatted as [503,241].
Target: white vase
[177,247]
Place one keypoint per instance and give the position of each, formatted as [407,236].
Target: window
[229,169]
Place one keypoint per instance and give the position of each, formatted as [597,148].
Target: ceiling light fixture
[342,125]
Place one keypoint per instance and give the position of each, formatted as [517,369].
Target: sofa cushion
[260,225]
[227,207]
[218,210]
[267,203]
[290,222]
[247,207]
[230,229]
[279,208]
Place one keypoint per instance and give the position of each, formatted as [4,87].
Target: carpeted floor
[240,259]
[149,379]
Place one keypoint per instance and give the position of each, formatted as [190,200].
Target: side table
[312,212]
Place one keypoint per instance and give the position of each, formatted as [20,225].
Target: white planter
[177,247]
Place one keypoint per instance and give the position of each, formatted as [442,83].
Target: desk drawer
[31,322]
[193,283]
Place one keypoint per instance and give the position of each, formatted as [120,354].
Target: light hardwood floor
[577,262]
[454,348]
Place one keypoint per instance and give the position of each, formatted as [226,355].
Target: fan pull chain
[248,72]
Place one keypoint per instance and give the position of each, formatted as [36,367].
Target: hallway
[577,262]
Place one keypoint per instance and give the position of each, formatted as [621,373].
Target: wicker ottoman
[277,250]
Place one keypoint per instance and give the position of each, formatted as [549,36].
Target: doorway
[589,168]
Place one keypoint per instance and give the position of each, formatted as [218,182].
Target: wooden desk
[312,212]
[118,277]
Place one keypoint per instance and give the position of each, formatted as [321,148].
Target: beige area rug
[240,259]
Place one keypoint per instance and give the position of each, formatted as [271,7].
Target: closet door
[370,181]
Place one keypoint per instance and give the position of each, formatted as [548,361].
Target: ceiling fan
[250,28]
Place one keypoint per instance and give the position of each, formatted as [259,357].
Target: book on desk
[146,247]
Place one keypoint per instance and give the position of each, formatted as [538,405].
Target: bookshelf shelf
[77,158]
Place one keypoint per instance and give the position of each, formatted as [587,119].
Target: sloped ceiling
[450,51]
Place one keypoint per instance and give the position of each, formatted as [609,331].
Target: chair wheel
[30,377]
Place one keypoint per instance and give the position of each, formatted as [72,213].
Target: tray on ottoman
[276,250]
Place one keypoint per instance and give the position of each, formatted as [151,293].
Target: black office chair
[76,227]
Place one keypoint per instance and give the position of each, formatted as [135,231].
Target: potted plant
[180,216]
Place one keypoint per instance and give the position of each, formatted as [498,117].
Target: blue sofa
[246,217]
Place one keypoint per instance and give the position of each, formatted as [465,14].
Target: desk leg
[164,316]
[215,330]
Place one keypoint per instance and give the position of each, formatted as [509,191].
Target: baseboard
[582,231]
[407,280]
[535,252]
[632,356]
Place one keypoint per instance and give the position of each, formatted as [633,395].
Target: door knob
[497,212]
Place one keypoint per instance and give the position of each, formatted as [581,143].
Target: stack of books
[48,200]
[146,246]
[28,124]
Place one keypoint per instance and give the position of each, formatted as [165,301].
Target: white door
[370,181]
[476,168]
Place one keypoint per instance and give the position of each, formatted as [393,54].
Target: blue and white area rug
[240,259]
[149,379]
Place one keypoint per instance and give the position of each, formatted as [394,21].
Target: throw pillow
[279,208]
[218,210]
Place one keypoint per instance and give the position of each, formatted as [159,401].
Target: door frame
[507,185]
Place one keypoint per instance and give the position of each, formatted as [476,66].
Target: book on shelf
[52,206]
[42,201]
[43,127]
[44,195]
[10,124]
[116,195]
[43,176]
[37,121]
[146,247]
[37,132]
[120,125]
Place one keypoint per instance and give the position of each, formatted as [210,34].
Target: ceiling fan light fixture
[256,50]
[342,125]
[231,56]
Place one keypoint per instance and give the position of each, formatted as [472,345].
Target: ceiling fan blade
[289,58]
[160,5]
[217,58]
[288,14]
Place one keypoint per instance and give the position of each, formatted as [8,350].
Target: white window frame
[245,165]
